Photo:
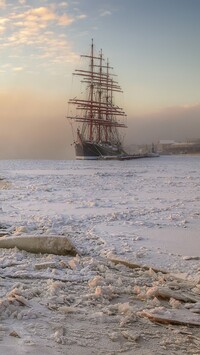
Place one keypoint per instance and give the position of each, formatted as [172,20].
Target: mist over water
[35,127]
[175,123]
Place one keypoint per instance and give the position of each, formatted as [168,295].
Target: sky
[153,46]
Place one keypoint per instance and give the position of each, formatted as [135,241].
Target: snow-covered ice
[146,208]
[145,211]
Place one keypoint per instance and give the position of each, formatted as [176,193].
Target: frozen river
[147,209]
[144,214]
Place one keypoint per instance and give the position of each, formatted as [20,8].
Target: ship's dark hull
[92,151]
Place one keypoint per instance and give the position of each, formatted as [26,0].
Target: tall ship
[96,115]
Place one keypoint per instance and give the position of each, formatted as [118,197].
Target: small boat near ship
[98,118]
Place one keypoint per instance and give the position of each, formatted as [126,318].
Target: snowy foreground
[134,285]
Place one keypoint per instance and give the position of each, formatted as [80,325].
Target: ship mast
[100,95]
[91,90]
[98,113]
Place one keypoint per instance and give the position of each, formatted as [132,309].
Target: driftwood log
[132,265]
[167,293]
[172,316]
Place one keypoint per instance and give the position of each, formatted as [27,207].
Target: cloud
[34,17]
[63,4]
[2,29]
[65,20]
[191,106]
[40,16]
[106,13]
[17,69]
[2,3]
[3,20]
[39,30]
[3,24]
[80,17]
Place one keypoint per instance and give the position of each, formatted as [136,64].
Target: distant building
[164,145]
[172,147]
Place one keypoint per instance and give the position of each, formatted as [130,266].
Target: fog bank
[36,127]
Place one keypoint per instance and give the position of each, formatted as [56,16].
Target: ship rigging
[97,114]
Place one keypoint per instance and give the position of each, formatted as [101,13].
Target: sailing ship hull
[94,151]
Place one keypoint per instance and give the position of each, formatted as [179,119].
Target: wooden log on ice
[172,316]
[59,245]
[167,293]
[132,265]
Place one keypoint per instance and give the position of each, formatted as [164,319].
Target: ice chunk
[59,245]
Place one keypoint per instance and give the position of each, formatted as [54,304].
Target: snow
[144,211]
